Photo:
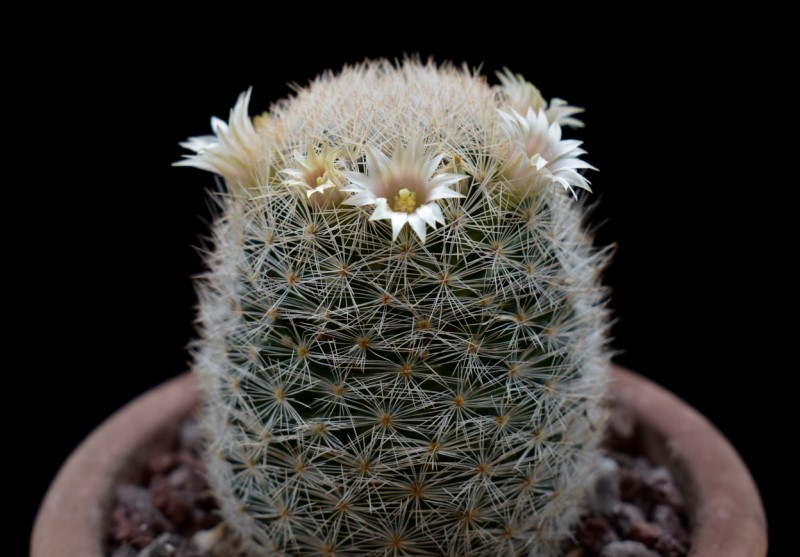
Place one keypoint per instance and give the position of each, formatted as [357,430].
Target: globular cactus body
[402,328]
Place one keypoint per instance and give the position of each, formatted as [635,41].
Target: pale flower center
[405,201]
[316,176]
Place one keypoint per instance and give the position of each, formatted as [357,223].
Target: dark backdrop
[114,308]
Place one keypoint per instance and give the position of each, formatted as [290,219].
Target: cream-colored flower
[538,156]
[404,189]
[521,94]
[235,148]
[318,174]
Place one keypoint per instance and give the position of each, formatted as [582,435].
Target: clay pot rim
[725,508]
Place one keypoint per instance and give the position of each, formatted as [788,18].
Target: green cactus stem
[403,331]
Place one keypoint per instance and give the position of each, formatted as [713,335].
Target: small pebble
[217,541]
[124,550]
[207,539]
[162,463]
[645,532]
[630,485]
[662,488]
[191,435]
[182,494]
[174,502]
[135,519]
[627,549]
[164,545]
[606,490]
[594,533]
[624,516]
[668,546]
[669,521]
[621,430]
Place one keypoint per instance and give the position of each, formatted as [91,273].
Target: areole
[725,509]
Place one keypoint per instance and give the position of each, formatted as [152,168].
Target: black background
[113,304]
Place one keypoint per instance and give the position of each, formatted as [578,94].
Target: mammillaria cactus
[403,333]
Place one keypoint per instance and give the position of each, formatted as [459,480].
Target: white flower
[318,173]
[235,148]
[521,94]
[404,188]
[538,156]
[559,111]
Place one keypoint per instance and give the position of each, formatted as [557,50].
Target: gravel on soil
[636,509]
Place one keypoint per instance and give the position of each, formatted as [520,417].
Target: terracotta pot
[724,506]
[74,517]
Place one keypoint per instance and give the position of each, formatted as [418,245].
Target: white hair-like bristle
[374,388]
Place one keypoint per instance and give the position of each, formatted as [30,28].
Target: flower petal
[430,167]
[399,220]
[537,156]
[377,162]
[364,197]
[407,180]
[437,212]
[366,182]
[443,192]
[426,213]
[381,211]
[446,179]
[417,225]
[235,151]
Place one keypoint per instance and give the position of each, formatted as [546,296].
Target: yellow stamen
[405,201]
[261,121]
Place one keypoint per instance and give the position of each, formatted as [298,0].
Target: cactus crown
[403,330]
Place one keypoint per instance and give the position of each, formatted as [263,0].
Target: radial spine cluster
[403,331]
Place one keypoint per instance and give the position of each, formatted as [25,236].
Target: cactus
[403,332]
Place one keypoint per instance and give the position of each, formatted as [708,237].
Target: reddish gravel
[636,509]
